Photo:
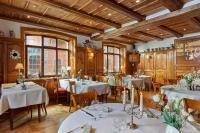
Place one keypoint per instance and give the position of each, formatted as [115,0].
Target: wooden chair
[172,81]
[119,88]
[72,85]
[156,87]
[148,101]
[58,91]
[192,104]
[44,84]
[83,99]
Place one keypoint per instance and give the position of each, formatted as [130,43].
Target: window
[111,59]
[46,55]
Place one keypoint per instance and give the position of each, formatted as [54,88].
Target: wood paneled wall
[89,60]
[160,65]
[7,64]
[187,55]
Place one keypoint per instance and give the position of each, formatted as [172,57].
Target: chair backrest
[172,81]
[192,104]
[72,85]
[41,82]
[83,99]
[118,80]
[148,101]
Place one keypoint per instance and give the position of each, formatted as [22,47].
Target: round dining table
[110,118]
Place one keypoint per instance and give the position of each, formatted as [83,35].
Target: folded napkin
[29,83]
[9,85]
[87,129]
[107,109]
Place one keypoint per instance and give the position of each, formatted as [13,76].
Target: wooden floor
[49,124]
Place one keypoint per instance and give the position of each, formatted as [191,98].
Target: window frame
[43,47]
[113,54]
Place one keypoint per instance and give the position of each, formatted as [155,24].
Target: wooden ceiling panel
[158,32]
[139,36]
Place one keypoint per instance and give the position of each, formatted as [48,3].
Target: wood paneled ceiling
[88,17]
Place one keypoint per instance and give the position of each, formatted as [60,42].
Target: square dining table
[14,97]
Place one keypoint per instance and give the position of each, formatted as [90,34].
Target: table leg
[11,119]
[39,113]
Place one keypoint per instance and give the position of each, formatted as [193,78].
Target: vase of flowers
[189,78]
[173,116]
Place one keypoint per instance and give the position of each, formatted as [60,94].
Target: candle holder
[132,125]
[124,107]
[139,114]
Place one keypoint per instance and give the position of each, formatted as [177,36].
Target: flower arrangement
[189,78]
[173,115]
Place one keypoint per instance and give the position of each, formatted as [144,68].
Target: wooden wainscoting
[160,65]
[8,73]
[89,60]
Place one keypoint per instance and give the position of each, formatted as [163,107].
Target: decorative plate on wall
[14,54]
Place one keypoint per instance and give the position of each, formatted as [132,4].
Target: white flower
[184,113]
[156,98]
[191,118]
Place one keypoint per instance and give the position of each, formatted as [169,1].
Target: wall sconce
[149,57]
[91,55]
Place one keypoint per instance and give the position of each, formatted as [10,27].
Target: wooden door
[90,63]
[161,67]
[1,61]
[10,63]
[80,59]
[99,62]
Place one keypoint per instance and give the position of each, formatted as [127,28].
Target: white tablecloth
[139,83]
[147,81]
[14,97]
[171,92]
[86,85]
[106,124]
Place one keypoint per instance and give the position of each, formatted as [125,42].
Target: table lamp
[68,71]
[19,66]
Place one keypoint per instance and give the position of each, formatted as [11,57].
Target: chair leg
[70,106]
[45,109]
[31,112]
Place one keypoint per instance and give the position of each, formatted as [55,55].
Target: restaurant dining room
[99,66]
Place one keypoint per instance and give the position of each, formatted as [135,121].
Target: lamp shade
[19,66]
[69,68]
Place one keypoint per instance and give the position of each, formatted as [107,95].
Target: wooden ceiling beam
[112,4]
[116,41]
[184,14]
[133,38]
[45,17]
[167,29]
[196,22]
[42,25]
[172,5]
[120,41]
[150,35]
[80,13]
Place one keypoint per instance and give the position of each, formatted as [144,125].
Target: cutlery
[152,114]
[76,129]
[88,113]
